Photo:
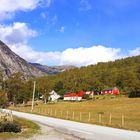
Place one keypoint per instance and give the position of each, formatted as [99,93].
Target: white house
[53,96]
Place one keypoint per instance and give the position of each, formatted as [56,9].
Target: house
[74,96]
[114,90]
[53,96]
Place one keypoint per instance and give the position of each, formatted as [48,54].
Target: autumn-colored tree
[3,98]
[45,85]
[15,87]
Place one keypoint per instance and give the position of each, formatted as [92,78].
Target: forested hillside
[124,74]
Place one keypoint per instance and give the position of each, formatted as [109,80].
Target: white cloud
[86,56]
[134,52]
[16,33]
[78,57]
[9,7]
[16,37]
[62,29]
[6,15]
[85,5]
[30,55]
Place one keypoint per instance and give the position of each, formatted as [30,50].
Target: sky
[71,32]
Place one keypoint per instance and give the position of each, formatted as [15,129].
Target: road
[81,130]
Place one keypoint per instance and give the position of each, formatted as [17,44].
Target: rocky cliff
[11,63]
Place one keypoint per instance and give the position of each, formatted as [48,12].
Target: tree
[1,79]
[3,98]
[59,88]
[135,93]
[45,85]
[15,87]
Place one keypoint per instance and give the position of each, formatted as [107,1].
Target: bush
[86,96]
[10,127]
[134,93]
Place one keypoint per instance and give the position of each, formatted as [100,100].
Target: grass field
[28,129]
[120,112]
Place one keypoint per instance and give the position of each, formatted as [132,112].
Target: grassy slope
[30,128]
[106,105]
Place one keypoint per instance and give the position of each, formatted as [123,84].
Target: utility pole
[33,96]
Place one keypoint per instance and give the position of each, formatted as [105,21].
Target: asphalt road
[82,130]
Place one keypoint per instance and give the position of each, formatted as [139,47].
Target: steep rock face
[11,63]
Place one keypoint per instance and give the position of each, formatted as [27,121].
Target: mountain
[12,63]
[52,69]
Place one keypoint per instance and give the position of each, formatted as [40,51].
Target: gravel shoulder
[49,133]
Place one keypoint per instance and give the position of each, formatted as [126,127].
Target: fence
[86,117]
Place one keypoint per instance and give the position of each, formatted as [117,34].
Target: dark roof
[108,89]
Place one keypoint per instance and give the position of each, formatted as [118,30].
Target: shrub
[134,93]
[10,127]
[86,96]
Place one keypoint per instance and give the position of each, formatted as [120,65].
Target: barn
[114,90]
[74,96]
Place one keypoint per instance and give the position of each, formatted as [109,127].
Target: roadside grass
[29,128]
[115,111]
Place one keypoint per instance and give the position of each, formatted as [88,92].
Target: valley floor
[119,112]
[67,129]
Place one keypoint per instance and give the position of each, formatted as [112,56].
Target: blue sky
[71,32]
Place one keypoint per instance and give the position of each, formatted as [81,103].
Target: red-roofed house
[73,96]
[111,91]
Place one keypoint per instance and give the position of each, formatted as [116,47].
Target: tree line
[124,74]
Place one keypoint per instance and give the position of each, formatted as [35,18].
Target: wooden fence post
[110,119]
[61,114]
[122,120]
[73,115]
[67,114]
[89,116]
[80,116]
[51,112]
[100,118]
[23,109]
[55,113]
